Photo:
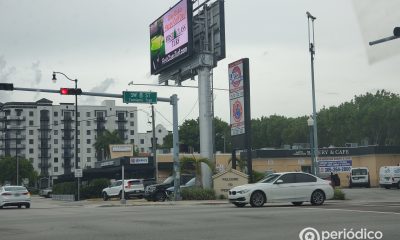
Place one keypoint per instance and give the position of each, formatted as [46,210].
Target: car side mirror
[280,181]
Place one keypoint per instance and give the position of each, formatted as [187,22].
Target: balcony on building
[67,137]
[67,155]
[67,146]
[44,165]
[46,155]
[44,146]
[44,137]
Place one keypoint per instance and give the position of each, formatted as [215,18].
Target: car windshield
[191,182]
[169,179]
[15,189]
[359,172]
[270,178]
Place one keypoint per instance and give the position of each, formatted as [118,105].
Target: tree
[193,165]
[105,139]
[168,141]
[8,173]
[189,135]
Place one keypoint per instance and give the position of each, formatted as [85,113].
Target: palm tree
[240,162]
[105,139]
[193,165]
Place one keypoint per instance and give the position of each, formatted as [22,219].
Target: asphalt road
[96,220]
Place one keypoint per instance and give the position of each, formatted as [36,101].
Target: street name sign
[139,97]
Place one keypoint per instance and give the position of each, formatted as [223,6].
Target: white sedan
[295,187]
[14,196]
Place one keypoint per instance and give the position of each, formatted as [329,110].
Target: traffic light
[7,86]
[70,91]
[396,31]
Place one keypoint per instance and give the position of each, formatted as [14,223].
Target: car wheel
[27,205]
[1,207]
[257,199]
[239,204]
[161,196]
[398,185]
[297,203]
[387,187]
[105,196]
[317,198]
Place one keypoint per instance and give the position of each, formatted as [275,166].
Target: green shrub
[339,195]
[64,188]
[197,193]
[257,176]
[222,196]
[94,188]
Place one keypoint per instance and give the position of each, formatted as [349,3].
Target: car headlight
[243,191]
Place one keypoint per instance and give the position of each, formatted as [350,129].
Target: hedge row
[197,193]
[92,190]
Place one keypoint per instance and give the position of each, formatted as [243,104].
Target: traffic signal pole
[173,100]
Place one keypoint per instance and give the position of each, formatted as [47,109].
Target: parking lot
[373,209]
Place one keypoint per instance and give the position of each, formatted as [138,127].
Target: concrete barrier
[63,197]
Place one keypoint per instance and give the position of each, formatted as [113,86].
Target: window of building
[55,114]
[88,132]
[88,123]
[88,141]
[30,132]
[79,141]
[132,132]
[55,150]
[30,113]
[30,123]
[55,123]
[55,132]
[79,150]
[132,140]
[30,141]
[141,149]
[89,159]
[79,159]
[79,114]
[18,141]
[79,123]
[89,150]
[132,124]
[55,169]
[159,131]
[56,160]
[87,114]
[31,150]
[79,132]
[141,141]
[132,114]
[55,141]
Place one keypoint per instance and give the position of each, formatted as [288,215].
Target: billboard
[236,97]
[335,165]
[171,37]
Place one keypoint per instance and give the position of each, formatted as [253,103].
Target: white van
[359,177]
[389,176]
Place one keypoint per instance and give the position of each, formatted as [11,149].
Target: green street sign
[139,97]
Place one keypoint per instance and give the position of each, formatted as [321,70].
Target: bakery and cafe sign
[324,152]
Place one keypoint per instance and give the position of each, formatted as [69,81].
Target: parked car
[14,196]
[47,192]
[359,177]
[295,187]
[389,176]
[132,188]
[189,184]
[157,192]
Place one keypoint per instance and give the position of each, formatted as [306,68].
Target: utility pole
[154,143]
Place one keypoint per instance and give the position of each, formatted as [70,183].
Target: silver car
[14,196]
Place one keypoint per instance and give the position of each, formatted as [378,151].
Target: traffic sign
[139,97]
[78,173]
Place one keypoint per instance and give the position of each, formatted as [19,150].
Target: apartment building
[145,140]
[45,133]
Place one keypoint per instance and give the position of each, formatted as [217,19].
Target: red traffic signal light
[7,86]
[70,91]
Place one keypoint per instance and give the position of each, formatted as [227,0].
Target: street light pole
[311,41]
[76,122]
[310,123]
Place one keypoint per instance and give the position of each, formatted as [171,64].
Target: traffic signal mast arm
[10,87]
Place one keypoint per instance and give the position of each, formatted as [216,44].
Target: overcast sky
[105,44]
